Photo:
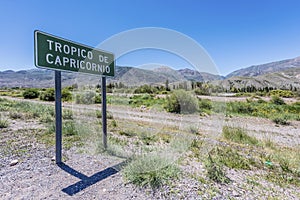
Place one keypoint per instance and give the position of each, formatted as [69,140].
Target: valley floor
[86,175]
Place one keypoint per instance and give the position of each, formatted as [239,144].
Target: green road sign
[59,54]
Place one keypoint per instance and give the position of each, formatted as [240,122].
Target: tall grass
[238,135]
[3,122]
[151,170]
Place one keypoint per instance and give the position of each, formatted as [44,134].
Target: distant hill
[129,76]
[193,75]
[257,70]
[285,79]
[280,74]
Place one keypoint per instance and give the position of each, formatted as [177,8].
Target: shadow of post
[87,181]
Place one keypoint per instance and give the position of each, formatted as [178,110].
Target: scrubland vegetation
[156,156]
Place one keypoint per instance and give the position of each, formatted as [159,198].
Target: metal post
[104,121]
[58,120]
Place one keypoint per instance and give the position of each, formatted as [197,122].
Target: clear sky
[235,33]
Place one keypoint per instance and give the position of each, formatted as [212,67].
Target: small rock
[53,158]
[235,193]
[13,162]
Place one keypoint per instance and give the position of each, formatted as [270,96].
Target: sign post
[58,117]
[59,54]
[104,121]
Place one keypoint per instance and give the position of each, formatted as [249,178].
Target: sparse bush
[145,100]
[98,99]
[238,135]
[98,114]
[203,91]
[15,115]
[145,89]
[241,107]
[148,138]
[215,171]
[31,93]
[182,102]
[48,95]
[205,104]
[46,118]
[150,170]
[69,129]
[231,158]
[67,114]
[261,101]
[87,97]
[114,123]
[109,115]
[277,100]
[66,94]
[127,133]
[282,93]
[3,122]
[117,141]
[281,119]
[165,137]
[195,147]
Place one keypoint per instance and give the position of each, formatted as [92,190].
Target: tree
[167,85]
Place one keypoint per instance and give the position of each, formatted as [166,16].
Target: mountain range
[280,74]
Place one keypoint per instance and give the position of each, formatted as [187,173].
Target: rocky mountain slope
[285,79]
[129,76]
[280,74]
[257,70]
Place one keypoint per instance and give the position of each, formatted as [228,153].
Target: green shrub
[215,171]
[3,122]
[67,114]
[46,118]
[241,107]
[182,102]
[281,119]
[114,123]
[98,114]
[98,99]
[66,94]
[238,135]
[109,115]
[145,89]
[281,93]
[205,104]
[148,138]
[87,97]
[31,93]
[145,100]
[231,158]
[48,95]
[150,170]
[203,91]
[277,100]
[69,128]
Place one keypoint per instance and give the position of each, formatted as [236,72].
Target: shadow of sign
[87,181]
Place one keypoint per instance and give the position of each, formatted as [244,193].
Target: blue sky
[235,33]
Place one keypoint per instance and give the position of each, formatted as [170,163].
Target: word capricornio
[73,56]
